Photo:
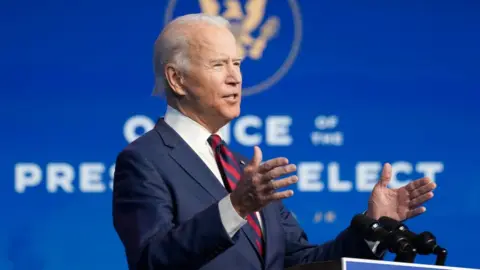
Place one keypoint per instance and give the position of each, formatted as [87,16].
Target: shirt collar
[191,132]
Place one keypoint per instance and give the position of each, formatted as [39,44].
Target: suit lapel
[268,215]
[190,161]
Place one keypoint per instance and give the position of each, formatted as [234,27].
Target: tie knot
[214,140]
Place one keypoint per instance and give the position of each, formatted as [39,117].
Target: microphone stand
[441,257]
[403,250]
[407,256]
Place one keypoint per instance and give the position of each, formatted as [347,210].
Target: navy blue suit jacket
[165,211]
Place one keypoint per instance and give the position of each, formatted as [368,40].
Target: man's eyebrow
[224,59]
[216,60]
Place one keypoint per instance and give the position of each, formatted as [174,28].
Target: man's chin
[231,114]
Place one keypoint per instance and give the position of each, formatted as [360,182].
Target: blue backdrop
[339,87]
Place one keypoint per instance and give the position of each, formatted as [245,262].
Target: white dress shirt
[195,135]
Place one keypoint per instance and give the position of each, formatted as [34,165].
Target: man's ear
[175,79]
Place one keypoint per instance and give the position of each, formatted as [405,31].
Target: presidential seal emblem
[268,35]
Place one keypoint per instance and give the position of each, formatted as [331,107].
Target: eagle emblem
[244,22]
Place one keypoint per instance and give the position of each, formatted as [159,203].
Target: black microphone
[425,243]
[371,230]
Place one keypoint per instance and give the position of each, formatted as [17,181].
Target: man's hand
[257,187]
[401,203]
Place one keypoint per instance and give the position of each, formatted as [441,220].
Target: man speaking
[183,200]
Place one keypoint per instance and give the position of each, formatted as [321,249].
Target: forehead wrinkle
[201,44]
[203,50]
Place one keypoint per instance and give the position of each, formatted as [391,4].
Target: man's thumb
[257,157]
[386,174]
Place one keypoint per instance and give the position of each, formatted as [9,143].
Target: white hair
[172,46]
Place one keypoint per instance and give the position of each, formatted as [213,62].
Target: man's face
[213,81]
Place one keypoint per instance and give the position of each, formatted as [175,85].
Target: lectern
[362,264]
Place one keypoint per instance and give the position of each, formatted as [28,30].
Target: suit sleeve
[143,214]
[300,251]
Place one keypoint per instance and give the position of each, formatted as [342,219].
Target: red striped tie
[231,175]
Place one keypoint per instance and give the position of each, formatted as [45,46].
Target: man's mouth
[231,97]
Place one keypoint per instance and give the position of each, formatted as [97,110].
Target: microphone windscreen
[362,223]
[389,224]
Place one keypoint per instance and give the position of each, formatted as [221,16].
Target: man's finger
[415,212]
[271,164]
[278,172]
[386,174]
[281,195]
[420,200]
[282,182]
[422,190]
[418,183]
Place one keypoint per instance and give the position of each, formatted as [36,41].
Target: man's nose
[234,76]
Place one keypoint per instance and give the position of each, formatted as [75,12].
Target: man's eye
[218,65]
